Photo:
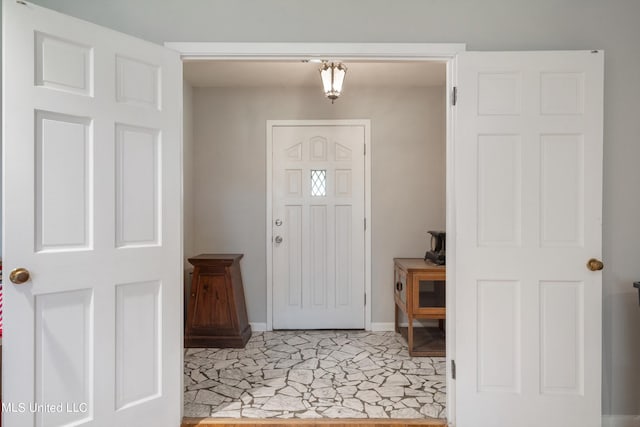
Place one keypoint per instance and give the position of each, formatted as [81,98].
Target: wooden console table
[216,314]
[420,293]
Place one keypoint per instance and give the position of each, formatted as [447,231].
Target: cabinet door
[212,313]
[429,295]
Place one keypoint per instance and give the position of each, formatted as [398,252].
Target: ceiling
[203,73]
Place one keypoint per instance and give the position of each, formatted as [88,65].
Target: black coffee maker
[437,252]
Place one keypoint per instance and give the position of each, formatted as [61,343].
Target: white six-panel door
[92,209]
[318,227]
[528,179]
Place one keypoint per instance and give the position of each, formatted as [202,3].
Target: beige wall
[408,174]
[188,171]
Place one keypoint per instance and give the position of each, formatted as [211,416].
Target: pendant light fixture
[332,75]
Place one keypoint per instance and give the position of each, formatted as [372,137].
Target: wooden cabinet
[216,313]
[420,293]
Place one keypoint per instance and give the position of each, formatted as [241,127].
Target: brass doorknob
[19,276]
[595,264]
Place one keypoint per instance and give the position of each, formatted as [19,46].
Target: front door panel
[318,214]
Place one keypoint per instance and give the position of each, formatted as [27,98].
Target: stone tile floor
[314,374]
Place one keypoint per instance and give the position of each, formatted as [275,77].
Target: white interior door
[92,209]
[318,227]
[528,161]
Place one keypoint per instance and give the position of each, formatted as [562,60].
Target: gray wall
[407,183]
[484,25]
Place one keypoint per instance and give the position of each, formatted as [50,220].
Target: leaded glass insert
[318,182]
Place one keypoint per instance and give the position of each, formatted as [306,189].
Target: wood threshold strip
[324,422]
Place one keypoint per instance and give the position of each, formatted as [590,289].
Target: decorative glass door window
[318,182]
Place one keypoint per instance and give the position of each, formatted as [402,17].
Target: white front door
[92,208]
[528,161]
[318,226]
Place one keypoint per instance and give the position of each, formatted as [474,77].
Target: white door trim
[367,206]
[446,52]
[343,51]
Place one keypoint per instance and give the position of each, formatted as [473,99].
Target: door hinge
[365,224]
[453,369]
[454,95]
[365,299]
[365,149]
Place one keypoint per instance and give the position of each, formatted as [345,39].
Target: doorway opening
[227,104]
[497,168]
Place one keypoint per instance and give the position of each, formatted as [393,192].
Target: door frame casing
[366,124]
[443,52]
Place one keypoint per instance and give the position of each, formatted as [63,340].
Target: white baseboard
[621,421]
[258,326]
[375,326]
[390,326]
[382,326]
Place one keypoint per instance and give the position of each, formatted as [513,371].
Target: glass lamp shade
[332,79]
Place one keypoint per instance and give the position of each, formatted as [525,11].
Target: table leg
[396,319]
[410,335]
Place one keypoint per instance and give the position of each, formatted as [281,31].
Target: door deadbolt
[278,239]
[278,222]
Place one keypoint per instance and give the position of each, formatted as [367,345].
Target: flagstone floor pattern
[314,374]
